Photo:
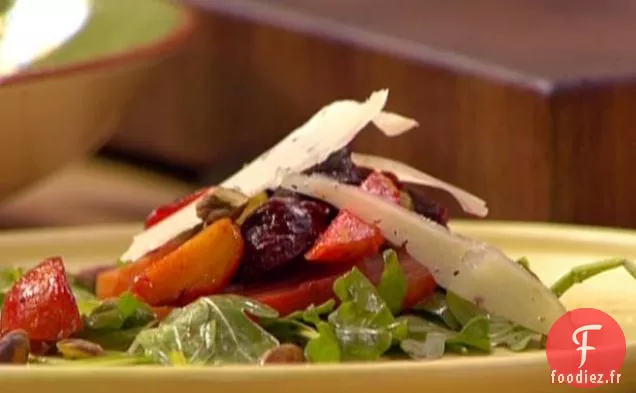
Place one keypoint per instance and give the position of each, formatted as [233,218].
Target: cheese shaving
[470,203]
[329,130]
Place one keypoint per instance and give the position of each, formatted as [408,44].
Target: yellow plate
[551,249]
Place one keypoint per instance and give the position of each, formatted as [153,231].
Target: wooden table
[529,104]
[95,191]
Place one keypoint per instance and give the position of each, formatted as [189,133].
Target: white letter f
[583,344]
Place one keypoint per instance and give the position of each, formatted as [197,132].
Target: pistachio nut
[74,348]
[284,353]
[15,347]
[221,203]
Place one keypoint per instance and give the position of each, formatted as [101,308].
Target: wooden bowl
[67,105]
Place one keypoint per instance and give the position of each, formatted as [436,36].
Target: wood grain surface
[528,104]
[91,192]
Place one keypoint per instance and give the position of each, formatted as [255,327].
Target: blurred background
[528,104]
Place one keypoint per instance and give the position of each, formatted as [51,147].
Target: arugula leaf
[115,340]
[289,330]
[123,312]
[463,310]
[364,324]
[132,308]
[427,339]
[580,274]
[503,333]
[320,343]
[418,328]
[87,302]
[114,324]
[506,334]
[465,328]
[518,338]
[474,334]
[313,312]
[433,346]
[362,328]
[324,348]
[8,277]
[393,285]
[212,330]
[436,308]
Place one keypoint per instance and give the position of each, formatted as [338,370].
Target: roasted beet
[393,178]
[426,207]
[422,204]
[280,232]
[340,167]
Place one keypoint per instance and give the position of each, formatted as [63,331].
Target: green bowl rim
[188,22]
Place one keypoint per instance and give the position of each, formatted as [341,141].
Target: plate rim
[530,229]
[536,359]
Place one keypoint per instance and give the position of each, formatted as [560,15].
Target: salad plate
[552,249]
[316,267]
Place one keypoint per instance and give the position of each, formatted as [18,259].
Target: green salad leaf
[447,322]
[123,312]
[393,285]
[86,299]
[325,347]
[289,330]
[114,324]
[460,326]
[308,329]
[363,327]
[506,334]
[300,326]
[212,330]
[364,324]
[312,311]
[463,310]
[436,309]
[428,339]
[474,334]
[8,277]
[582,273]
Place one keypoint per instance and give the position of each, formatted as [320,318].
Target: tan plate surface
[551,249]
